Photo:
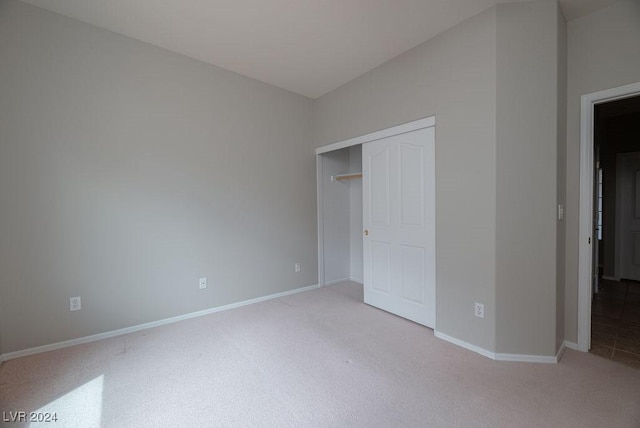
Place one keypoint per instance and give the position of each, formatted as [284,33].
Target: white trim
[571,345]
[465,345]
[336,281]
[560,352]
[617,249]
[611,278]
[622,270]
[587,104]
[522,358]
[133,329]
[320,215]
[384,133]
[532,358]
[503,357]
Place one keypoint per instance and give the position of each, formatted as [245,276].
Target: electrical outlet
[203,283]
[296,267]
[75,304]
[479,312]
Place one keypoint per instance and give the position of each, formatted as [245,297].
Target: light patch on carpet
[81,407]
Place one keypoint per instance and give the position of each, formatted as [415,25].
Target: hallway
[615,322]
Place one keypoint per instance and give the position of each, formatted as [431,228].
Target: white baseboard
[465,345]
[336,281]
[611,278]
[551,359]
[571,345]
[560,352]
[133,329]
[499,356]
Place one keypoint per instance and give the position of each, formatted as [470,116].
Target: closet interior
[341,214]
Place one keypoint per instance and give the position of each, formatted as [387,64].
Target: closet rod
[346,176]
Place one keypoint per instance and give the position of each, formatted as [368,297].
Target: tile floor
[615,322]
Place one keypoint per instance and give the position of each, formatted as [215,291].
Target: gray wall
[127,172]
[496,84]
[451,76]
[603,53]
[526,165]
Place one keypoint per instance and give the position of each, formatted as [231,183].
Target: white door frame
[587,104]
[384,133]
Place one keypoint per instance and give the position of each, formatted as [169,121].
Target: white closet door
[399,225]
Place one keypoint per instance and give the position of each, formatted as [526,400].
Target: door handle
[366,232]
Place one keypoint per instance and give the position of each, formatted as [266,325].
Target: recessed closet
[376,217]
[340,182]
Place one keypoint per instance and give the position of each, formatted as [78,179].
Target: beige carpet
[321,359]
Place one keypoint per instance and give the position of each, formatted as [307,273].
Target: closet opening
[376,218]
[340,231]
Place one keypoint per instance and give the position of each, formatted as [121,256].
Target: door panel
[628,194]
[399,222]
[411,185]
[379,167]
[381,266]
[412,273]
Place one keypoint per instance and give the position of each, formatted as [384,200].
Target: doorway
[614,288]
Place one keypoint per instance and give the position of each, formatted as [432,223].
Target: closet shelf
[346,176]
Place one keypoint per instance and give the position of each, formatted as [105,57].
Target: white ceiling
[306,46]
